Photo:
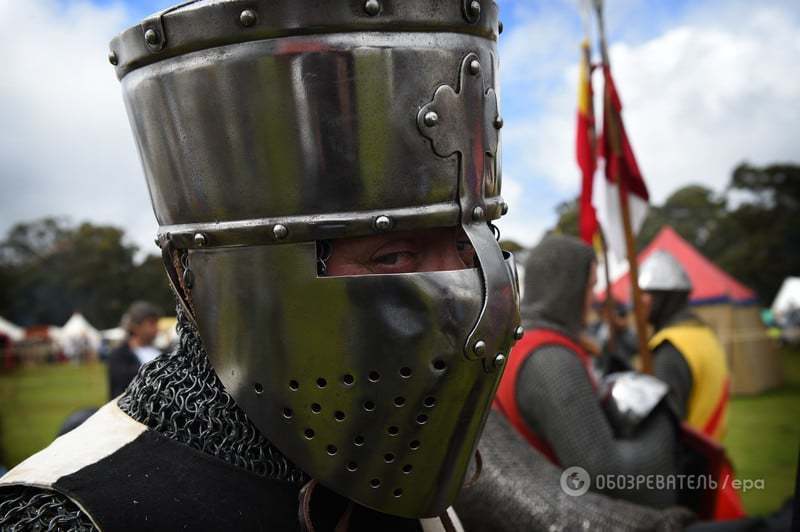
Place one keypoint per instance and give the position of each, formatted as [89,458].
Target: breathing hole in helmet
[407,468]
[375,482]
[388,458]
[287,413]
[258,388]
[422,419]
[398,492]
[358,441]
[405,372]
[321,382]
[393,431]
[309,434]
[332,450]
[374,376]
[430,402]
[352,466]
[439,364]
[316,408]
[294,385]
[399,401]
[369,406]
[414,445]
[339,415]
[348,380]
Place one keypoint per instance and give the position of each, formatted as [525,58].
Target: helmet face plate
[361,380]
[255,145]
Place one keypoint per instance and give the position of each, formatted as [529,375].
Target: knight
[325,176]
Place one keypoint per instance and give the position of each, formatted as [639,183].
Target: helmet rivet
[151,37]
[247,18]
[479,348]
[477,213]
[372,7]
[498,122]
[503,208]
[112,57]
[383,223]
[199,240]
[499,360]
[518,332]
[431,118]
[280,232]
[475,8]
[500,27]
[474,67]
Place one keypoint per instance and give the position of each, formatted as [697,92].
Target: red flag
[621,171]
[585,146]
[621,164]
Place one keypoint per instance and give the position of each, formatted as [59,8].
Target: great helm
[265,126]
[661,271]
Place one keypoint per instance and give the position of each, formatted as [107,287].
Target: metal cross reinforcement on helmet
[265,127]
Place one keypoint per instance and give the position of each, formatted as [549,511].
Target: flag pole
[609,302]
[616,146]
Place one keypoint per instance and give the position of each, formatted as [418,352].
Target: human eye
[389,259]
[394,259]
[465,251]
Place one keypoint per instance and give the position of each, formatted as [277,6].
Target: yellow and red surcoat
[707,408]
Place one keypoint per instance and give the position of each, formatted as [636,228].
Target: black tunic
[125,476]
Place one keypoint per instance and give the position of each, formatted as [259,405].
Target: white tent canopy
[117,334]
[12,331]
[788,297]
[77,336]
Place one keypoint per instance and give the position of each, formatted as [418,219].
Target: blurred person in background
[686,353]
[689,358]
[141,325]
[548,391]
[617,340]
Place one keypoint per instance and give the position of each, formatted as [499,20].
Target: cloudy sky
[706,84]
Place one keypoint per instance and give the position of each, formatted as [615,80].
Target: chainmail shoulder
[519,489]
[670,366]
[180,396]
[25,508]
[558,401]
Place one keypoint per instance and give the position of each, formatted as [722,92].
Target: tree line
[751,229]
[50,268]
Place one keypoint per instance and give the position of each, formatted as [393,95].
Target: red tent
[711,284]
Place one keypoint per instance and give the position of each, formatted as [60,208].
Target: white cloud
[718,86]
[65,145]
[713,89]
[522,224]
[701,99]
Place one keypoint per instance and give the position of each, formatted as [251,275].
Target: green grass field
[35,401]
[763,438]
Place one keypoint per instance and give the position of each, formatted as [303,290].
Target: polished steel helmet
[661,271]
[266,126]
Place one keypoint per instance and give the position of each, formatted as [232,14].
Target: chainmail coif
[180,396]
